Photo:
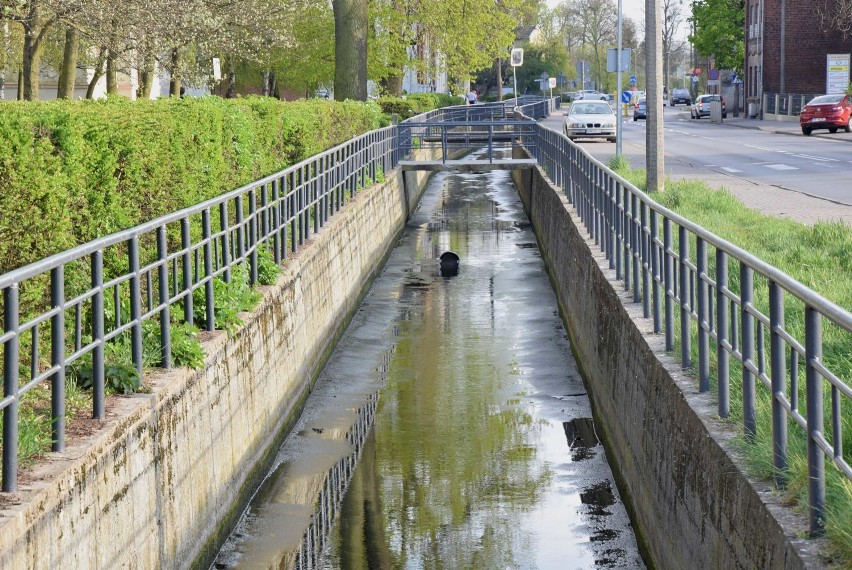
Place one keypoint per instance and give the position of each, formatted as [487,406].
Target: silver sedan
[590,119]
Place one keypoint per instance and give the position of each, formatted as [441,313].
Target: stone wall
[684,483]
[161,482]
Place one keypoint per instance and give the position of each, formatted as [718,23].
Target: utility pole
[618,87]
[654,152]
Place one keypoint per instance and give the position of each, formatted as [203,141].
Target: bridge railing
[447,136]
[699,288]
[69,310]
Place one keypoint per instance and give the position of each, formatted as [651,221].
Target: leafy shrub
[267,269]
[228,300]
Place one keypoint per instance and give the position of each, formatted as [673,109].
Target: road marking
[763,148]
[781,167]
[729,169]
[811,157]
[710,165]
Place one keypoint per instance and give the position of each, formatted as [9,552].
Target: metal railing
[142,281]
[161,272]
[680,273]
[447,136]
[789,104]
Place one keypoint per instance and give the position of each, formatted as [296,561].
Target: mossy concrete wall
[160,483]
[685,484]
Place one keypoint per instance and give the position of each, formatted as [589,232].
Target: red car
[830,112]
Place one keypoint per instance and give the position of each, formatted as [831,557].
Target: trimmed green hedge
[73,171]
[417,103]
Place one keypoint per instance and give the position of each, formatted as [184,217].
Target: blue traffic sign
[626,96]
[632,79]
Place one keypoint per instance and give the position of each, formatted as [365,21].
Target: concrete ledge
[686,487]
[160,483]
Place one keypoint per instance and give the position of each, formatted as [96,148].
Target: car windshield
[826,99]
[590,109]
[680,92]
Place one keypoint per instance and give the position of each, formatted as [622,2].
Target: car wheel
[672,103]
[611,139]
[634,118]
[848,127]
[832,130]
[724,115]
[806,131]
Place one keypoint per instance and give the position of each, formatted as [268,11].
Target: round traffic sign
[626,96]
[713,74]
[632,79]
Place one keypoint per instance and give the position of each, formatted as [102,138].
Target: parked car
[640,109]
[590,119]
[679,95]
[591,94]
[830,112]
[701,107]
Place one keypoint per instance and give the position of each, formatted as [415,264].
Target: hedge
[417,103]
[71,171]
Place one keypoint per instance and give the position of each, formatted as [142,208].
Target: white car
[590,119]
[588,94]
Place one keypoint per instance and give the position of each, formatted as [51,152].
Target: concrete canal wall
[160,483]
[685,484]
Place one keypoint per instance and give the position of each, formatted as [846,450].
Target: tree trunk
[499,64]
[96,76]
[20,96]
[112,81]
[231,91]
[174,83]
[32,56]
[265,89]
[146,82]
[392,85]
[68,73]
[351,28]
[4,48]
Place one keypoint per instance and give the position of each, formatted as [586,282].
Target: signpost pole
[618,120]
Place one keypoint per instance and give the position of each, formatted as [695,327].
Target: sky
[633,9]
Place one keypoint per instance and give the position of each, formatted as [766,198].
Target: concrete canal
[450,428]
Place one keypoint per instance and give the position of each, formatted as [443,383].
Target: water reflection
[482,452]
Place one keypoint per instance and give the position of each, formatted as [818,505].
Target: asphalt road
[817,166]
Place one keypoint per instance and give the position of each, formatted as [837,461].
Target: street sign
[626,96]
[713,74]
[632,79]
[612,60]
[695,79]
[552,82]
[517,57]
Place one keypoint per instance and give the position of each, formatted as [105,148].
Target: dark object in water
[449,264]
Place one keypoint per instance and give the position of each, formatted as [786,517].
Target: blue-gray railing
[446,136]
[80,301]
[650,249]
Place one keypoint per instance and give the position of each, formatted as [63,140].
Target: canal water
[451,427]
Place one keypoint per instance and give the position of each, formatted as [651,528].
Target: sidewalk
[765,198]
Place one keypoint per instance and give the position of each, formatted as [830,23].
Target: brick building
[789,58]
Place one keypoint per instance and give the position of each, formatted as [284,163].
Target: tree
[719,31]
[672,20]
[351,23]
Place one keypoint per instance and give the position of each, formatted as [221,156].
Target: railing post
[98,335]
[210,311]
[723,371]
[252,236]
[57,357]
[683,297]
[816,459]
[778,363]
[747,350]
[655,270]
[185,243]
[635,246]
[11,316]
[165,311]
[135,304]
[646,262]
[703,316]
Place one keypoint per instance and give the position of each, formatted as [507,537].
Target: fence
[789,104]
[174,270]
[695,294]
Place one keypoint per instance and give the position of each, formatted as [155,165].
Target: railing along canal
[679,272]
[137,282]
